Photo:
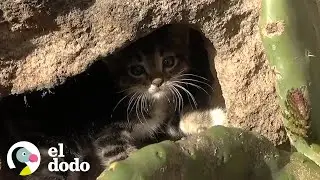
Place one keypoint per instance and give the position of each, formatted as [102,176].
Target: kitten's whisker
[168,99]
[174,98]
[191,84]
[190,102]
[181,72]
[142,106]
[137,107]
[194,75]
[153,100]
[131,99]
[188,94]
[181,103]
[145,120]
[120,102]
[174,90]
[198,82]
[129,104]
[125,90]
[140,109]
[179,97]
[143,103]
[178,75]
[147,103]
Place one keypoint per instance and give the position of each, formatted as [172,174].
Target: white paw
[198,121]
[218,117]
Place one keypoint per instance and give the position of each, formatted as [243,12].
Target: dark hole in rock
[83,104]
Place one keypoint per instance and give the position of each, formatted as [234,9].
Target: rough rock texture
[44,41]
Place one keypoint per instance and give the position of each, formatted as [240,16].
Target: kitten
[163,95]
[160,93]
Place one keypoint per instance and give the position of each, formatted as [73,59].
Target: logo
[24,158]
[56,166]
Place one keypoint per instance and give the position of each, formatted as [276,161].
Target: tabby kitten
[162,95]
[160,91]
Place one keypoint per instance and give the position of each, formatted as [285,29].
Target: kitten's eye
[136,70]
[169,61]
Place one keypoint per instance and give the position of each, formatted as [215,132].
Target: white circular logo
[24,158]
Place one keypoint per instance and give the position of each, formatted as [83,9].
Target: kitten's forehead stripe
[141,56]
[158,59]
[150,59]
[161,51]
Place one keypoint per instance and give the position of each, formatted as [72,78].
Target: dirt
[45,41]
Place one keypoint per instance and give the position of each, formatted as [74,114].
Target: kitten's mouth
[155,91]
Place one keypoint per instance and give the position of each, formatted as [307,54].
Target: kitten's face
[153,67]
[152,73]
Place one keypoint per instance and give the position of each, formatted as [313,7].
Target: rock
[45,41]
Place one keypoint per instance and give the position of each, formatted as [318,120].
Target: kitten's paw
[218,117]
[110,155]
[198,121]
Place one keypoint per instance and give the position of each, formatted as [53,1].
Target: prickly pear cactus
[290,35]
[219,153]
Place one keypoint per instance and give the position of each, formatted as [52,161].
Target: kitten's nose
[157,81]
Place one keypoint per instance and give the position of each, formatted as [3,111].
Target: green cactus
[290,34]
[219,153]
